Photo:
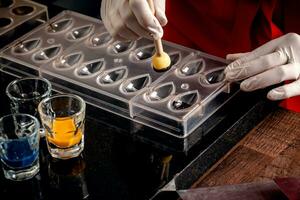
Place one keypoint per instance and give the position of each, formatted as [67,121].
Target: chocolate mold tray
[47,42]
[185,97]
[77,55]
[112,73]
[19,16]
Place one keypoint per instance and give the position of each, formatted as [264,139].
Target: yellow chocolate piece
[161,62]
[65,133]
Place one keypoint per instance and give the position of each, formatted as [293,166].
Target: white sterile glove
[131,19]
[272,63]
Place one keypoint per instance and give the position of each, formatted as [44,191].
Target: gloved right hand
[131,19]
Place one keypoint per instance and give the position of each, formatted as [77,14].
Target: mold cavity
[114,76]
[47,53]
[192,68]
[5,22]
[121,47]
[185,100]
[23,10]
[26,46]
[69,61]
[215,77]
[6,3]
[80,32]
[174,58]
[145,53]
[91,68]
[136,83]
[60,25]
[161,92]
[100,40]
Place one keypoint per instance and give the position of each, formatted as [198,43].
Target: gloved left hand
[272,63]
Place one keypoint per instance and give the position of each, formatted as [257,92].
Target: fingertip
[155,33]
[277,94]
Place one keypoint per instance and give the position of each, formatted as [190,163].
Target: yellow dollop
[65,133]
[161,62]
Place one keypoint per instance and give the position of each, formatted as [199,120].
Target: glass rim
[82,102]
[45,94]
[36,128]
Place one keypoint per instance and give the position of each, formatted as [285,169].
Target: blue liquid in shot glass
[19,154]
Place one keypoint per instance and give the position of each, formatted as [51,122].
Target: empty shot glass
[19,146]
[25,95]
[63,118]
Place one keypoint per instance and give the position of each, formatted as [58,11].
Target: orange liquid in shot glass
[65,133]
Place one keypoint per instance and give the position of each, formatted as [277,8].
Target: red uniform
[220,27]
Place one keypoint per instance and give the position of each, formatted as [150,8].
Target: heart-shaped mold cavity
[121,47]
[193,67]
[100,40]
[215,77]
[4,22]
[136,83]
[6,3]
[185,100]
[47,53]
[23,10]
[91,68]
[80,32]
[145,52]
[60,25]
[161,92]
[113,76]
[26,46]
[68,61]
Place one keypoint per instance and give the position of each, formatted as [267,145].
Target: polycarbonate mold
[121,47]
[184,101]
[27,46]
[214,77]
[184,98]
[68,61]
[80,32]
[135,84]
[90,68]
[175,58]
[144,53]
[100,40]
[23,10]
[78,55]
[5,22]
[113,76]
[160,93]
[192,68]
[60,25]
[17,17]
[47,53]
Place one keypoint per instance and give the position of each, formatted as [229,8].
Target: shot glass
[19,146]
[63,118]
[25,95]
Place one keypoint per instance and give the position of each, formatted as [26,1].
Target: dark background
[87,7]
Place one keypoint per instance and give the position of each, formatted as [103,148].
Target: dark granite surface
[121,161]
[114,165]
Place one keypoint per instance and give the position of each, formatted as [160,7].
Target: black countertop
[120,162]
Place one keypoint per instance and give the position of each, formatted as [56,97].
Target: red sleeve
[220,27]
